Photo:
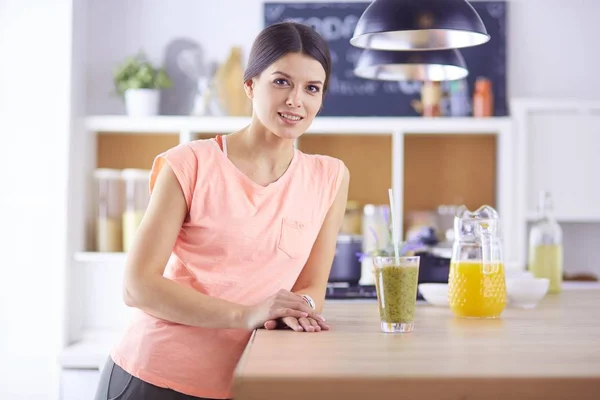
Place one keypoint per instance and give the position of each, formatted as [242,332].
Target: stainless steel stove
[342,291]
[350,292]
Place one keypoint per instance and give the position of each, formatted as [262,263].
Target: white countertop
[90,352]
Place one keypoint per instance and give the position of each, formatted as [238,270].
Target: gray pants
[117,384]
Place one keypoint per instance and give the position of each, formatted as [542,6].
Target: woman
[240,234]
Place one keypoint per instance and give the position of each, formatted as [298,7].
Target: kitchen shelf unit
[392,132]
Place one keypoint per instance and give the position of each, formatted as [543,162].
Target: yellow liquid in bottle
[473,293]
[546,261]
[131,222]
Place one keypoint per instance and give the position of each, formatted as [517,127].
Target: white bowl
[526,292]
[435,293]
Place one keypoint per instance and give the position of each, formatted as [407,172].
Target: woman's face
[288,94]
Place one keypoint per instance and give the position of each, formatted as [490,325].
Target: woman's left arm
[315,274]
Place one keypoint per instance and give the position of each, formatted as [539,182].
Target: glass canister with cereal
[109,211]
[137,196]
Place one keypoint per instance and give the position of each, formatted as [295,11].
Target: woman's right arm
[145,287]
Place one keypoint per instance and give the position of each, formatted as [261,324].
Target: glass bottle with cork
[546,245]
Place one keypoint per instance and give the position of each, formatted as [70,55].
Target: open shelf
[569,218]
[430,147]
[321,125]
[98,257]
[368,158]
[453,169]
[127,150]
[447,170]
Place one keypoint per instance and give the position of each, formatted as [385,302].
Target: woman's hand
[280,305]
[306,324]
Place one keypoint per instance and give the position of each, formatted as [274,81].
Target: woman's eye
[313,88]
[281,81]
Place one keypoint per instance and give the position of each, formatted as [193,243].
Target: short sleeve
[184,163]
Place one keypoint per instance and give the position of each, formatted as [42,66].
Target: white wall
[553,48]
[549,50]
[35,105]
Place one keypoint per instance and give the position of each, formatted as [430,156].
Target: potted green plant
[140,82]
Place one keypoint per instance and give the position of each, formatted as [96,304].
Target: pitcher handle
[486,248]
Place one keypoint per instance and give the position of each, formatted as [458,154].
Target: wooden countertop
[550,352]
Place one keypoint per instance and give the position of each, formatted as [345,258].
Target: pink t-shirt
[241,242]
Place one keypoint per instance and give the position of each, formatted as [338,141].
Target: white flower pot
[142,102]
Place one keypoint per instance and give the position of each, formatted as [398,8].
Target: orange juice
[473,293]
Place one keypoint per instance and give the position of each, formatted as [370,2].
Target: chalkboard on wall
[350,95]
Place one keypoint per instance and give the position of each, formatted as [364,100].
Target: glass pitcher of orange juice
[476,284]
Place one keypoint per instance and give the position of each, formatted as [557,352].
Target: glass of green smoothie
[396,283]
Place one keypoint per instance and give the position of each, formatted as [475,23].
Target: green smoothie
[396,293]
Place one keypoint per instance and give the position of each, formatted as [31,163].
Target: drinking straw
[395,226]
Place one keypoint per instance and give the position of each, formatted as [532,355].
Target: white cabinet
[563,158]
[78,384]
[558,149]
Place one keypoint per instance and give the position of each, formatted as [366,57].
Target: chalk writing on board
[350,95]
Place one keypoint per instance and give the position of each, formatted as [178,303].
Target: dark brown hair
[277,40]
